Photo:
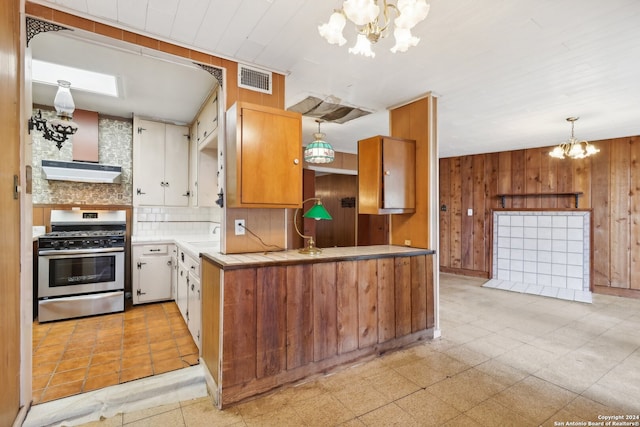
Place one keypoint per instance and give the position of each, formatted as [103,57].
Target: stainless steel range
[81,264]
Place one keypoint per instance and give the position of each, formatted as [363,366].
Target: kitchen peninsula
[274,318]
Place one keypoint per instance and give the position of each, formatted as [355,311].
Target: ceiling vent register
[254,79]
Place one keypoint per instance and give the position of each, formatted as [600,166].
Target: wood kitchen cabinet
[152,272]
[264,157]
[160,164]
[386,175]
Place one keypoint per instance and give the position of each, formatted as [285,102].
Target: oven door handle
[80,251]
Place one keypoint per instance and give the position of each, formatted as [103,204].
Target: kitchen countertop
[193,245]
[235,261]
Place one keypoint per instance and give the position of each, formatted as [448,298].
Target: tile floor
[504,359]
[78,355]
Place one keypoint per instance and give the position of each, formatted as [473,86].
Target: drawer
[154,249]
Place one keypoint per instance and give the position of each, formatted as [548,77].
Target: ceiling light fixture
[60,128]
[319,151]
[573,148]
[365,15]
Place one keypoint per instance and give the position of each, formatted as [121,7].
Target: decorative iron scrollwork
[214,71]
[35,26]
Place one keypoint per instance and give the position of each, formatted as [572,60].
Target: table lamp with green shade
[316,212]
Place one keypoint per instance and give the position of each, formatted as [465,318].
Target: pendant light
[319,151]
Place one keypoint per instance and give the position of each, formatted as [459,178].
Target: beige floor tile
[575,371]
[461,421]
[389,415]
[619,388]
[468,355]
[264,405]
[535,399]
[115,421]
[146,413]
[491,413]
[504,374]
[169,419]
[421,373]
[322,410]
[282,418]
[589,410]
[466,389]
[360,397]
[201,412]
[392,385]
[563,417]
[527,358]
[444,363]
[427,409]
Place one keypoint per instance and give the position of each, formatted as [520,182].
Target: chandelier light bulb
[404,40]
[332,30]
[361,12]
[411,12]
[362,47]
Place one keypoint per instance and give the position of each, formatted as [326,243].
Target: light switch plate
[469,212]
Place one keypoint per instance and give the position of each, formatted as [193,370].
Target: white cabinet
[174,272]
[207,121]
[152,271]
[203,158]
[188,292]
[160,164]
[195,308]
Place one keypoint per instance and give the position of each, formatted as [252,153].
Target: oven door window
[82,270]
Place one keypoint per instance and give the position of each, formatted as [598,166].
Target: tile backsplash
[115,138]
[543,252]
[161,221]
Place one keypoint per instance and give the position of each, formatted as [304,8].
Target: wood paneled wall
[341,231]
[610,181]
[11,75]
[417,121]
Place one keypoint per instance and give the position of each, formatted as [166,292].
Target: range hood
[81,172]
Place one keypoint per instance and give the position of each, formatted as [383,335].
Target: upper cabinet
[207,121]
[264,157]
[386,175]
[160,164]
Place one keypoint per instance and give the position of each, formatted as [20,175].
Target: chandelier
[371,27]
[573,148]
[319,151]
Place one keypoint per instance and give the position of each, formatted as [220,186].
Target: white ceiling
[507,72]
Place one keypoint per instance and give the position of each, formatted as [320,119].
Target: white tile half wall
[542,252]
[164,221]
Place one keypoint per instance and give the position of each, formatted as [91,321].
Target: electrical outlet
[407,242]
[469,212]
[239,227]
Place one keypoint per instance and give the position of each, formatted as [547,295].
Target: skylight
[88,81]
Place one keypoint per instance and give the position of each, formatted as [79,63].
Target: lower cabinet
[188,293]
[194,317]
[151,278]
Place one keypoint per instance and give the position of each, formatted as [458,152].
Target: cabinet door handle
[387,173]
[169,263]
[154,250]
[139,191]
[296,161]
